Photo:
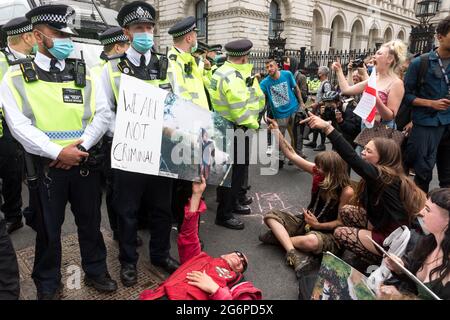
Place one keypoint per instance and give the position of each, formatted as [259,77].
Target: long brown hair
[336,174]
[390,169]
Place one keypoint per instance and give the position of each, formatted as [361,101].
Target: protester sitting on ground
[429,260]
[390,87]
[385,198]
[200,276]
[311,232]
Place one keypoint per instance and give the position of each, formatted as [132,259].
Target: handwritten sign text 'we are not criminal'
[139,122]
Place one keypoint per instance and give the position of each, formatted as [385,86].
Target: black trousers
[84,195]
[129,192]
[228,197]
[427,147]
[9,270]
[107,178]
[11,171]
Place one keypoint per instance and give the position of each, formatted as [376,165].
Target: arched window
[275,13]
[200,16]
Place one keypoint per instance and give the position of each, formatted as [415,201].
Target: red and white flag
[366,108]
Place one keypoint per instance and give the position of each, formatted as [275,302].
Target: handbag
[379,131]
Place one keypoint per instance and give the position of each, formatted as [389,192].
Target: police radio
[80,72]
[188,68]
[163,66]
[28,71]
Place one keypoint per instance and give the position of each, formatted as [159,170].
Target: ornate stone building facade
[315,24]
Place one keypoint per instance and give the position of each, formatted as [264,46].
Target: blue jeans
[426,147]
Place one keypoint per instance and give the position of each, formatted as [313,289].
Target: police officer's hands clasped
[70,156]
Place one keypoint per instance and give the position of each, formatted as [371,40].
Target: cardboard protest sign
[159,133]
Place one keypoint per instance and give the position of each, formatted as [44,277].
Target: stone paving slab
[149,277]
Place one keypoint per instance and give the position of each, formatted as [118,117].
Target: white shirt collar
[135,57]
[43,62]
[16,54]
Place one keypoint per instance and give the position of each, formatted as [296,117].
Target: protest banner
[159,133]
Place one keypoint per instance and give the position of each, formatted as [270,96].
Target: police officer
[115,43]
[184,73]
[138,20]
[21,43]
[237,97]
[50,109]
[186,77]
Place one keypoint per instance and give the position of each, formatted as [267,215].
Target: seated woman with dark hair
[311,232]
[429,261]
[386,197]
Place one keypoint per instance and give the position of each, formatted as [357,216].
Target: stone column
[322,39]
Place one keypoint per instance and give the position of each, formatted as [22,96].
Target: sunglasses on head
[243,260]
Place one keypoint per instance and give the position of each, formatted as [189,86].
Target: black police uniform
[110,36]
[55,187]
[11,156]
[132,190]
[9,270]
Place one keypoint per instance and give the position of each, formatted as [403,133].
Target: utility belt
[97,156]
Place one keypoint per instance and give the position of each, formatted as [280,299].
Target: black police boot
[247,200]
[232,223]
[128,275]
[241,209]
[56,295]
[103,283]
[169,264]
[13,225]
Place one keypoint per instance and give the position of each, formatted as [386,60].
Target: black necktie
[53,68]
[142,61]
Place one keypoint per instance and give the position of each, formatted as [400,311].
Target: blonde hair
[398,50]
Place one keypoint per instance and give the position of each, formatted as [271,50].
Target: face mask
[422,225]
[142,41]
[62,48]
[34,50]
[194,48]
[369,69]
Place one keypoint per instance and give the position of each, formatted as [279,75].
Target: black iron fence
[310,61]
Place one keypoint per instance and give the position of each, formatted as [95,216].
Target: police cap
[17,26]
[183,27]
[112,35]
[136,12]
[215,47]
[56,16]
[202,47]
[238,48]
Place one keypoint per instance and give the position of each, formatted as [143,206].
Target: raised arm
[188,240]
[287,149]
[346,89]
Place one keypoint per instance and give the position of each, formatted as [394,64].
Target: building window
[200,16]
[275,14]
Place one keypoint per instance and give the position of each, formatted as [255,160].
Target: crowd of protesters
[360,194]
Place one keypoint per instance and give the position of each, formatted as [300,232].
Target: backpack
[404,113]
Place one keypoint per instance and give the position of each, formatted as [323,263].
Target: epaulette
[173,57]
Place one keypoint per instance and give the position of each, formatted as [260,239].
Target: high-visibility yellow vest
[231,97]
[115,74]
[96,70]
[59,109]
[190,85]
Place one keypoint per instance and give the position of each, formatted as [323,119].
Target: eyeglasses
[243,260]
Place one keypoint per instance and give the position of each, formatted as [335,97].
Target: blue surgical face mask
[34,50]
[62,47]
[369,69]
[194,48]
[142,41]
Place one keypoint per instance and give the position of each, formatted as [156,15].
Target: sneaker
[267,237]
[295,258]
[269,150]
